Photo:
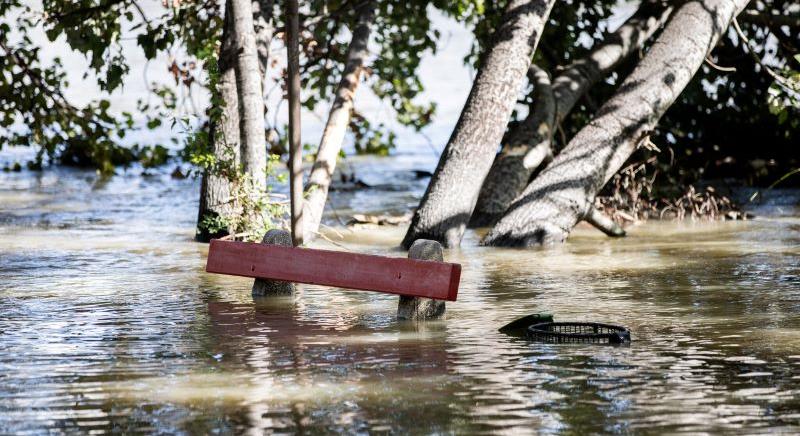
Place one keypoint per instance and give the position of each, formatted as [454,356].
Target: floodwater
[108,322]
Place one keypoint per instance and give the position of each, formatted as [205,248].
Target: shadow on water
[108,322]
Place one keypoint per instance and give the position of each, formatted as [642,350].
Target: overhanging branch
[767,18]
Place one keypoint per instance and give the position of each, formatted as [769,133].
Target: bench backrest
[394,275]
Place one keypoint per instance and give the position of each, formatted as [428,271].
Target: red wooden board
[394,275]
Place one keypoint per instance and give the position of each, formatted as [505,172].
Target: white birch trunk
[319,180]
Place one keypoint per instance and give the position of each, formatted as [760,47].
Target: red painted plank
[394,275]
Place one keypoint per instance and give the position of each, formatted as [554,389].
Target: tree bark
[531,143]
[526,147]
[338,119]
[216,198]
[268,287]
[604,224]
[563,193]
[292,30]
[453,190]
[251,101]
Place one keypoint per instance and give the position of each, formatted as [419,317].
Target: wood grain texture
[393,275]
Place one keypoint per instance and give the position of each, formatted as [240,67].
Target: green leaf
[114,77]
[153,123]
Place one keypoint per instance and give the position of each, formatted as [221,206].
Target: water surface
[108,322]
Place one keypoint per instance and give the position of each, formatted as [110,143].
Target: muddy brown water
[109,323]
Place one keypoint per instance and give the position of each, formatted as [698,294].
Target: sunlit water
[108,322]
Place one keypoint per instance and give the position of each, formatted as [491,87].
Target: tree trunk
[530,144]
[453,190]
[251,101]
[332,137]
[292,30]
[216,198]
[526,147]
[563,193]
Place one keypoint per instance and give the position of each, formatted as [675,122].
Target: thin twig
[321,235]
[719,67]
[780,80]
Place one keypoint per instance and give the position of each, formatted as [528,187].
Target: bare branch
[604,224]
[767,18]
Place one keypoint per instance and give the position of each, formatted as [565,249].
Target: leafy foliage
[783,96]
[371,140]
[726,124]
[257,210]
[710,130]
[35,111]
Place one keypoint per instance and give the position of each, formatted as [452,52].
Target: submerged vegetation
[633,195]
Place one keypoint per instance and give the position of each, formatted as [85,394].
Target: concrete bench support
[269,287]
[418,308]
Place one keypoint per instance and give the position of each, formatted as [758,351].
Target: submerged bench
[393,275]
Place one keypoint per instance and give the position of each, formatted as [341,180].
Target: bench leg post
[274,288]
[417,308]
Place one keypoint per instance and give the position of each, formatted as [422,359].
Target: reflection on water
[108,322]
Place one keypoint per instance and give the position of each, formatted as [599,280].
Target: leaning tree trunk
[332,137]
[525,148]
[531,142]
[453,190]
[564,192]
[216,198]
[251,100]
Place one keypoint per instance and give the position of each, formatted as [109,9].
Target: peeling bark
[453,190]
[338,119]
[530,144]
[563,193]
[251,101]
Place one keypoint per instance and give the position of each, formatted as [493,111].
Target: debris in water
[380,220]
[519,326]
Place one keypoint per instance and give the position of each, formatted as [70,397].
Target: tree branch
[768,18]
[779,79]
[604,224]
[87,10]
